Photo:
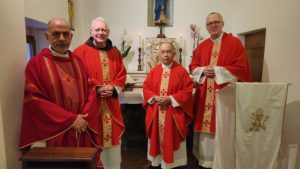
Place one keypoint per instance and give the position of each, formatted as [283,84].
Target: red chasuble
[56,91]
[113,67]
[231,56]
[176,119]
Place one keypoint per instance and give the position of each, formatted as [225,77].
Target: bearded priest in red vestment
[57,109]
[168,101]
[108,75]
[216,62]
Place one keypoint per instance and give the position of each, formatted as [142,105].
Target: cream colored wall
[280,20]
[2,143]
[12,64]
[134,19]
[290,132]
[282,52]
[44,10]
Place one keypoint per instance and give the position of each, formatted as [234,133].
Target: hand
[209,71]
[80,124]
[105,91]
[164,100]
[156,98]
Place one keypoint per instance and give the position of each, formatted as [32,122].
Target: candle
[181,41]
[140,40]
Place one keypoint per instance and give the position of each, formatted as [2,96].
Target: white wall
[43,10]
[132,15]
[12,64]
[280,18]
[290,134]
[282,52]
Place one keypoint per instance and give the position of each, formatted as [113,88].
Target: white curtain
[225,127]
[259,116]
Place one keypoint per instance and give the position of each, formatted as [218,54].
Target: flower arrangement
[195,33]
[125,43]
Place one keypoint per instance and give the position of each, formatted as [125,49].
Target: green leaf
[126,52]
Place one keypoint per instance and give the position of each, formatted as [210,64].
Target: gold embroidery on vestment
[106,115]
[258,119]
[162,112]
[209,100]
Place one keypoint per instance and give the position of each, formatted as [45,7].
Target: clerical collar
[90,42]
[167,66]
[94,42]
[54,53]
[218,39]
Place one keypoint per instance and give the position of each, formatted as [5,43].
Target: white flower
[125,43]
[195,33]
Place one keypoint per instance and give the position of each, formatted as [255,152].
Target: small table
[60,158]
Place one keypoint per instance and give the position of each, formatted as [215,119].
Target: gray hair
[99,19]
[212,13]
[170,43]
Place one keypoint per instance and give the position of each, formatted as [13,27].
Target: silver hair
[99,19]
[170,43]
[221,17]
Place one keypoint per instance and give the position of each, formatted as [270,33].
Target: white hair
[99,19]
[212,13]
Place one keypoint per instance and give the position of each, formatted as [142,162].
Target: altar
[134,96]
[131,100]
[133,91]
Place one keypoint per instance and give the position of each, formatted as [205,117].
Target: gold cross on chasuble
[162,112]
[105,66]
[210,100]
[106,114]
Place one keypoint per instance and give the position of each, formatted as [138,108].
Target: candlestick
[181,41]
[139,60]
[180,55]
[140,40]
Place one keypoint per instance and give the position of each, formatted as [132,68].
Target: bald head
[58,21]
[59,34]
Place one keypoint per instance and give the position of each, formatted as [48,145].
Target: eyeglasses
[214,23]
[57,34]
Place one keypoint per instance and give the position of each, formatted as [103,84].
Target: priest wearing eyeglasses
[216,62]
